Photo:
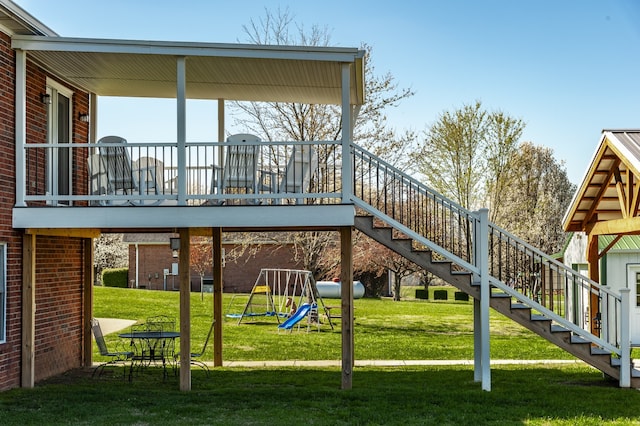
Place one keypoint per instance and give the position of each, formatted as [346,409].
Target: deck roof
[609,190]
[140,68]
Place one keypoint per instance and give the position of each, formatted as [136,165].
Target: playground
[287,297]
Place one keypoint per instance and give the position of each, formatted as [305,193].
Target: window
[637,288]
[3,292]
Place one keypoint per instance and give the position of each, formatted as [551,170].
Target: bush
[460,295]
[422,293]
[117,277]
[440,295]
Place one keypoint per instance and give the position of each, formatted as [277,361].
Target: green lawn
[409,329]
[567,394]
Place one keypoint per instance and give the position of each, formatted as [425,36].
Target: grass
[572,394]
[410,329]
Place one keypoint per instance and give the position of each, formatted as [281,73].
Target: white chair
[240,169]
[301,168]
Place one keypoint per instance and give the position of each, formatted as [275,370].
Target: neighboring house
[151,257]
[619,255]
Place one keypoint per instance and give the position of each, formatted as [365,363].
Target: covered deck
[183,186]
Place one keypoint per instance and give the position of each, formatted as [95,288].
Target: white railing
[532,277]
[216,174]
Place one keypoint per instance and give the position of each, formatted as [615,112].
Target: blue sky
[568,68]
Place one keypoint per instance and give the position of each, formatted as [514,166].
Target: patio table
[152,346]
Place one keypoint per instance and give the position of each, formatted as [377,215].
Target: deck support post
[217,296]
[28,309]
[482,262]
[625,339]
[346,294]
[87,305]
[184,273]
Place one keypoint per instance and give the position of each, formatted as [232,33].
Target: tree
[276,121]
[109,252]
[536,195]
[465,153]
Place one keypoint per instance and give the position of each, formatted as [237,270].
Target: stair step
[578,339]
[500,294]
[555,328]
[599,351]
[519,306]
[538,317]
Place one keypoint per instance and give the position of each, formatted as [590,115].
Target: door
[633,283]
[60,178]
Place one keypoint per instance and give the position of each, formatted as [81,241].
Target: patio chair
[240,167]
[118,166]
[115,357]
[301,167]
[149,172]
[196,355]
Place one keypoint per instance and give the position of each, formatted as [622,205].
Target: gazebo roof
[610,190]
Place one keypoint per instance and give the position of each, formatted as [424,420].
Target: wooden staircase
[500,301]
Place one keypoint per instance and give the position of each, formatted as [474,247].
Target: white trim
[92,45]
[171,217]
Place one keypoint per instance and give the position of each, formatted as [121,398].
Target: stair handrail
[369,169]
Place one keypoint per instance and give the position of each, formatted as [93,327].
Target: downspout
[137,264]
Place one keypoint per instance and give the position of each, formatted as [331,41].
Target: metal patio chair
[115,357]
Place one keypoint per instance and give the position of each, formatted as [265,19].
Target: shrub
[422,293]
[460,295]
[116,277]
[440,294]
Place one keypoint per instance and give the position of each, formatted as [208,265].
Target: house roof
[137,68]
[16,20]
[609,189]
[625,243]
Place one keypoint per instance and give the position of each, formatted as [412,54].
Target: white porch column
[221,131]
[21,126]
[482,253]
[346,133]
[181,94]
[184,272]
[625,340]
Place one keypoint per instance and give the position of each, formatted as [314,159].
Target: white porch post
[482,253]
[625,340]
[346,133]
[185,309]
[21,126]
[182,129]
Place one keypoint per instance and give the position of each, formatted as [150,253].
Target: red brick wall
[59,300]
[238,276]
[59,260]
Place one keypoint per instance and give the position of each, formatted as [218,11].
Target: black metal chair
[115,357]
[196,355]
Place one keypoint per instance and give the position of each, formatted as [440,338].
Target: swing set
[279,293]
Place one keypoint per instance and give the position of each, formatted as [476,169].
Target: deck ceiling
[213,71]
[610,188]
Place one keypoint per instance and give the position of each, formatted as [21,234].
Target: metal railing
[532,277]
[133,174]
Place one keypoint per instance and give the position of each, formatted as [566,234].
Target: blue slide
[298,316]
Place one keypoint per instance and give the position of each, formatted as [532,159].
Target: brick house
[151,257]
